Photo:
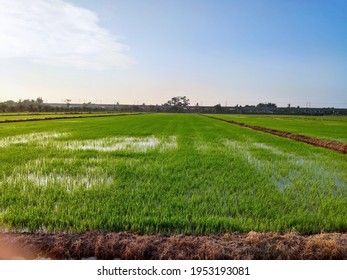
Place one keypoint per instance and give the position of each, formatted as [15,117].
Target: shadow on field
[254,246]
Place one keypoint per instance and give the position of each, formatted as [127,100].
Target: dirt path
[329,144]
[124,245]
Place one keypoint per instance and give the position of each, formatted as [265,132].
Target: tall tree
[67,101]
[178,103]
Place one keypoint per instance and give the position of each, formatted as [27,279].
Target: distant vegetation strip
[59,117]
[329,144]
[177,104]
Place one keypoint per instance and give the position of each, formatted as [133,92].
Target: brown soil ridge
[329,144]
[130,246]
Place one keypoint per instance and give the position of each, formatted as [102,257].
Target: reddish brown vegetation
[329,144]
[253,245]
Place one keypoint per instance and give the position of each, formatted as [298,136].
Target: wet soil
[329,144]
[130,246]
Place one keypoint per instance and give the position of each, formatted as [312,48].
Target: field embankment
[329,144]
[129,246]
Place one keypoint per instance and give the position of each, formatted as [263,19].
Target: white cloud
[57,33]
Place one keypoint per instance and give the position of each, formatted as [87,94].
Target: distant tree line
[27,105]
[38,105]
[177,104]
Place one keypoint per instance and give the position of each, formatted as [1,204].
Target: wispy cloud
[57,33]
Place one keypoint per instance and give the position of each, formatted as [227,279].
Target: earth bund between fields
[131,246]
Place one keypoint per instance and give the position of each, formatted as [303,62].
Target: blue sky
[234,52]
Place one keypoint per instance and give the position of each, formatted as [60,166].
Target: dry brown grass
[253,245]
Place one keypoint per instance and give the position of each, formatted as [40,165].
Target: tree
[267,105]
[67,101]
[39,102]
[178,103]
[218,108]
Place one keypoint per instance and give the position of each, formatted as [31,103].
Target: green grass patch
[167,173]
[38,116]
[325,127]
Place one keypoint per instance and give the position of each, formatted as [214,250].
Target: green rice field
[322,127]
[23,116]
[168,173]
